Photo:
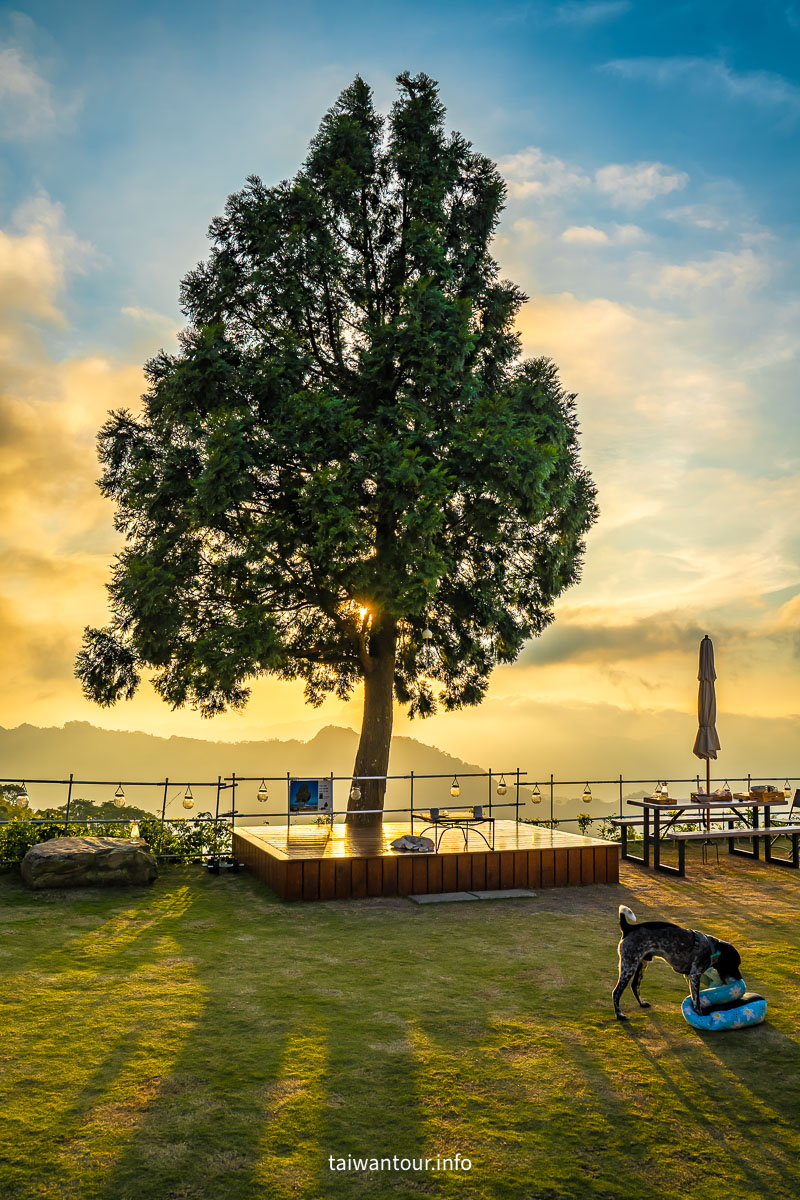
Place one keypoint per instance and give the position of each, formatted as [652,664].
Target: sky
[651,155]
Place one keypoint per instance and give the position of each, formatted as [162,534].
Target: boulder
[81,861]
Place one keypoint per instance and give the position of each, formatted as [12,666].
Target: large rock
[78,861]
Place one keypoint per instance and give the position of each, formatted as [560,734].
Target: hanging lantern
[22,796]
[134,830]
[657,792]
[787,790]
[587,795]
[119,797]
[455,788]
[502,787]
[262,795]
[427,635]
[664,791]
[188,798]
[536,795]
[355,793]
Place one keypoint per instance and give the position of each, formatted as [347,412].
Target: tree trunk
[372,757]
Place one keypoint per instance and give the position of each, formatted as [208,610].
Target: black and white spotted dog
[687,951]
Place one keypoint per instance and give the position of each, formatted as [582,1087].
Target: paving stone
[443,897]
[506,894]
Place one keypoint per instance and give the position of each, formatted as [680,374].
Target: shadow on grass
[201,1040]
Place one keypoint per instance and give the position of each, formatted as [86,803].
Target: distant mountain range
[89,753]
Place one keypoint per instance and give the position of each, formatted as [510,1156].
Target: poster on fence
[311,796]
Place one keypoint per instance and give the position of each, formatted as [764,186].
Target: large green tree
[347,454]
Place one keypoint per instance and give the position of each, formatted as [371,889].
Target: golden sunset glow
[664,294]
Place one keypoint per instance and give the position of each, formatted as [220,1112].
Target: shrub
[182,839]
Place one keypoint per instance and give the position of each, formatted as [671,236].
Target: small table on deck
[653,810]
[442,819]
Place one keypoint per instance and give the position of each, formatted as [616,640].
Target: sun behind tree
[347,473]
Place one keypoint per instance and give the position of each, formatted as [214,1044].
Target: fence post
[516,797]
[69,799]
[164,805]
[289,800]
[490,791]
[552,817]
[620,794]
[412,800]
[234,861]
[215,859]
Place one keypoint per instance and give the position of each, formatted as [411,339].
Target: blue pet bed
[729,1006]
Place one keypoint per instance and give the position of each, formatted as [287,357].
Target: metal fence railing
[230,799]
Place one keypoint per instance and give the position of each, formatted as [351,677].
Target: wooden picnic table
[654,830]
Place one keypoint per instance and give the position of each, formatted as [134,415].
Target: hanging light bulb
[587,795]
[787,790]
[188,798]
[262,795]
[502,787]
[536,795]
[119,797]
[134,830]
[355,793]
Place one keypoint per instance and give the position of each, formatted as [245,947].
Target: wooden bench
[734,833]
[684,815]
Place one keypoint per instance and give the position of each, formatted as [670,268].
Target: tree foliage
[347,449]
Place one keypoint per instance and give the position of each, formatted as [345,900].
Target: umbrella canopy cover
[706,744]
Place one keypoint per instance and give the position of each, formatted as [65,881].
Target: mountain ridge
[146,760]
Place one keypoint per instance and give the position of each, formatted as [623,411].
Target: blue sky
[651,153]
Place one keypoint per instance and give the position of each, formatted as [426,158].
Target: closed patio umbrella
[706,744]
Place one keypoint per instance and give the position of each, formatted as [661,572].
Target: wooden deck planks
[310,863]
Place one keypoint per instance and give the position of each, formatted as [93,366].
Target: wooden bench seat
[738,831]
[770,834]
[685,814]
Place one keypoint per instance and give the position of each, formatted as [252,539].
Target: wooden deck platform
[309,862]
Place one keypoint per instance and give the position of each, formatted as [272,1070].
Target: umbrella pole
[708,793]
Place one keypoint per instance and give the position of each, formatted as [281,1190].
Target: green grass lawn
[200,1039]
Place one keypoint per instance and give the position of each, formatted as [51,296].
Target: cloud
[603,639]
[728,271]
[35,255]
[591,12]
[763,89]
[531,172]
[29,106]
[590,235]
[632,185]
[701,216]
[26,99]
[585,235]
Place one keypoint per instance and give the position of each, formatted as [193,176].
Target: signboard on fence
[311,795]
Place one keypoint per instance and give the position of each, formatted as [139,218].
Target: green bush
[181,839]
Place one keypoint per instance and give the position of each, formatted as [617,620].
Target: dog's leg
[636,983]
[695,975]
[627,971]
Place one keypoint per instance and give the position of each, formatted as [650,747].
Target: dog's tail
[626,919]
